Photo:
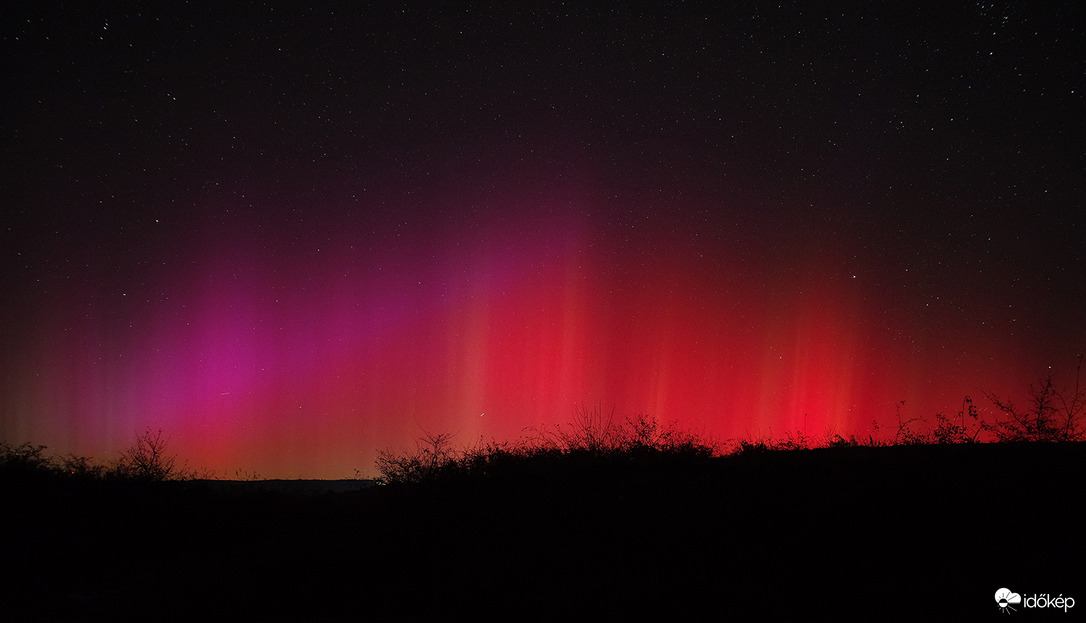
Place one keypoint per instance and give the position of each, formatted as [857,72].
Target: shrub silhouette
[147,460]
[591,438]
[81,467]
[1051,415]
[25,461]
[433,454]
[838,441]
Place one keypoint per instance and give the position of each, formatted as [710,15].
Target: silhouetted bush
[433,455]
[25,461]
[747,447]
[591,438]
[81,467]
[147,460]
[837,441]
[1051,415]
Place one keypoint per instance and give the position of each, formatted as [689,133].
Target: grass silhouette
[851,532]
[594,440]
[630,520]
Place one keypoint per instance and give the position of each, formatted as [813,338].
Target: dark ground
[908,532]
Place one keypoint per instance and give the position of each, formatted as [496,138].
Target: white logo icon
[1004,598]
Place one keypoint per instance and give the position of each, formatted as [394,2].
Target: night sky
[292,235]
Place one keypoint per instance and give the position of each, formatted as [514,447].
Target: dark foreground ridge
[854,533]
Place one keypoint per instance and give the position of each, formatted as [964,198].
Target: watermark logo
[1006,600]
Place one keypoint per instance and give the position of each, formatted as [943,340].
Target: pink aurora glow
[303,357]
